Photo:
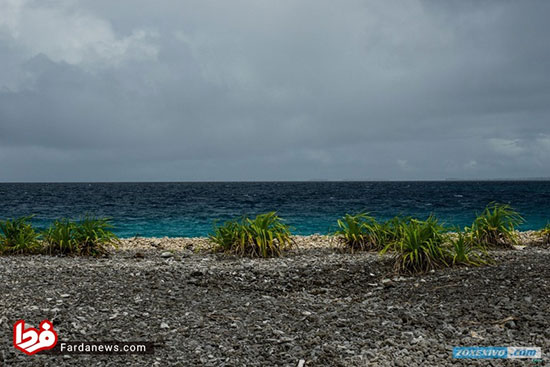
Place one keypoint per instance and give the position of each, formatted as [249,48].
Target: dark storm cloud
[140,90]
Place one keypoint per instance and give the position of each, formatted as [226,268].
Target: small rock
[510,324]
[164,325]
[166,255]
[475,335]
[386,282]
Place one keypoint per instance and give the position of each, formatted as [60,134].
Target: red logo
[30,340]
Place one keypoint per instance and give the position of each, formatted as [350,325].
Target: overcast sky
[140,90]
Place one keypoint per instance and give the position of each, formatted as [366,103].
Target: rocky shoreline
[317,304]
[300,243]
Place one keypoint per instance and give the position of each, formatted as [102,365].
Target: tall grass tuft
[94,236]
[421,247]
[495,227]
[89,237]
[17,236]
[363,232]
[465,251]
[264,236]
[359,231]
[59,238]
[545,234]
[393,231]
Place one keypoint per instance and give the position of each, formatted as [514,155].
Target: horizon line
[291,181]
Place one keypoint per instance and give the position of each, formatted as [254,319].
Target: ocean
[190,209]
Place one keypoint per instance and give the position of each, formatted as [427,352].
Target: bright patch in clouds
[64,33]
[508,147]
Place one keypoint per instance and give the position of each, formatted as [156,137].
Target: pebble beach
[315,306]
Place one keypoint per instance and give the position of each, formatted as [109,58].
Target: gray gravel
[317,305]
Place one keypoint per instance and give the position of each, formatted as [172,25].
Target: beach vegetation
[393,231]
[17,236]
[94,236]
[264,236]
[89,236]
[59,238]
[361,232]
[545,234]
[495,226]
[421,246]
[465,251]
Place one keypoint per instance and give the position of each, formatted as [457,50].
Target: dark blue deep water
[189,209]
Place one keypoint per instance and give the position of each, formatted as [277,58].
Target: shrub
[363,232]
[94,235]
[89,237]
[264,236]
[545,234]
[464,251]
[229,235]
[360,231]
[421,247]
[495,227]
[60,238]
[17,236]
[393,231]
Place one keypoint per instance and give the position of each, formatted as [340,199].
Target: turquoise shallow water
[189,209]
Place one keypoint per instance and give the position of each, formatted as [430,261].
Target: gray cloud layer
[262,90]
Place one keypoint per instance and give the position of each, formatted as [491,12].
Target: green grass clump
[264,236]
[465,251]
[17,236]
[393,231]
[363,232]
[94,236]
[495,227]
[88,237]
[360,232]
[421,247]
[60,238]
[545,234]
